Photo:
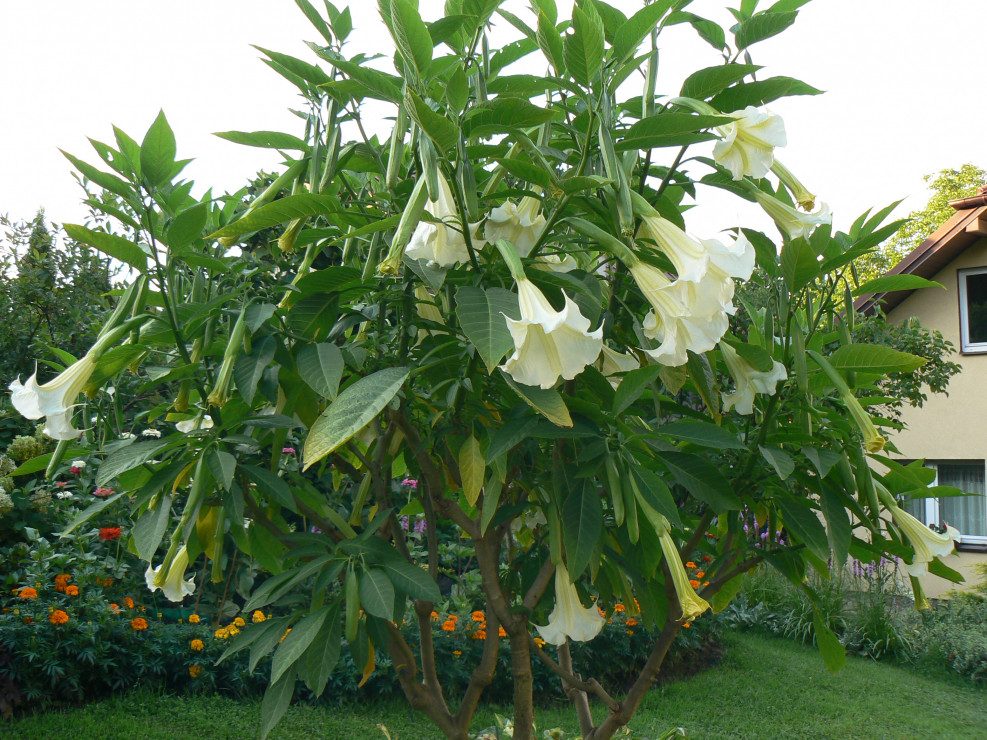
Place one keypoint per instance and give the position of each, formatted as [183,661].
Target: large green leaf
[481,315]
[832,650]
[669,129]
[280,211]
[377,593]
[501,115]
[702,479]
[632,385]
[546,401]
[874,358]
[799,264]
[351,411]
[36,464]
[703,433]
[760,92]
[550,42]
[780,460]
[150,529]
[652,491]
[250,368]
[323,654]
[158,151]
[90,511]
[889,283]
[301,636]
[264,139]
[838,529]
[440,129]
[321,367]
[222,465]
[120,249]
[802,521]
[712,80]
[411,36]
[472,468]
[275,702]
[582,523]
[636,28]
[374,83]
[126,458]
[762,26]
[187,226]
[270,485]
[412,580]
[583,49]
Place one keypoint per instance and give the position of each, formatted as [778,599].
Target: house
[950,432]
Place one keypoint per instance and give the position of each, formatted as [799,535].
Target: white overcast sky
[902,82]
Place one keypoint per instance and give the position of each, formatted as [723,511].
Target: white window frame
[931,504]
[966,346]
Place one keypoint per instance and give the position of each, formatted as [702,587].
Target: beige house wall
[952,427]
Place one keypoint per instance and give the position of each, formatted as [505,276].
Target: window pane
[976,302]
[967,513]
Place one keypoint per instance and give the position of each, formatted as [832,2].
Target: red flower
[103,492]
[109,533]
[74,470]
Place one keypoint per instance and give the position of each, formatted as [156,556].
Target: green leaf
[762,26]
[760,92]
[799,264]
[158,151]
[472,468]
[802,521]
[528,171]
[653,491]
[322,656]
[90,511]
[375,83]
[120,249]
[377,593]
[275,703]
[838,529]
[707,82]
[222,465]
[351,411]
[104,179]
[582,524]
[412,580]
[280,211]
[633,385]
[40,462]
[702,479]
[187,226]
[703,433]
[321,367]
[271,485]
[150,529]
[481,315]
[296,68]
[331,280]
[832,650]
[874,358]
[264,139]
[708,30]
[315,19]
[411,36]
[550,42]
[889,283]
[440,129]
[547,402]
[126,458]
[301,636]
[669,129]
[938,568]
[822,460]
[780,460]
[314,315]
[501,115]
[723,597]
[267,550]
[636,28]
[249,369]
[583,49]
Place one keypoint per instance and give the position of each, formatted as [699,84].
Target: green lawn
[765,688]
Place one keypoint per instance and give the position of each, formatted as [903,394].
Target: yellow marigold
[138,623]
[257,616]
[195,671]
[539,642]
[457,653]
[28,593]
[284,635]
[449,626]
[220,634]
[196,645]
[194,619]
[480,635]
[129,602]
[478,617]
[58,617]
[72,590]
[239,622]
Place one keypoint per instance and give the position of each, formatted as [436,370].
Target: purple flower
[316,530]
[420,526]
[404,523]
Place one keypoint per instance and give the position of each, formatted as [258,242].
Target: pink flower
[61,483]
[410,483]
[103,492]
[288,451]
[74,470]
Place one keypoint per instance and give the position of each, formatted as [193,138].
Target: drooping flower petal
[874,441]
[570,619]
[687,255]
[692,604]
[748,143]
[549,344]
[801,194]
[192,425]
[926,543]
[681,334]
[442,243]
[55,399]
[749,380]
[174,587]
[613,362]
[522,224]
[789,220]
[556,262]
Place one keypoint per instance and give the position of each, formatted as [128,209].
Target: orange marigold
[195,671]
[700,573]
[687,625]
[631,622]
[138,624]
[707,559]
[449,626]
[478,617]
[539,642]
[619,607]
[115,608]
[435,616]
[629,632]
[58,617]
[72,590]
[694,583]
[501,632]
[196,645]
[480,635]
[28,593]
[690,564]
[129,602]
[457,653]
[194,619]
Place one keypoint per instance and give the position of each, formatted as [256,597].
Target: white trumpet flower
[174,587]
[613,362]
[792,222]
[556,262]
[748,143]
[681,334]
[691,603]
[549,344]
[55,399]
[195,424]
[926,543]
[687,255]
[522,224]
[442,243]
[749,380]
[570,619]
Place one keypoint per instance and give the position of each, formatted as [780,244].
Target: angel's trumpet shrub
[749,380]
[522,224]
[927,543]
[570,619]
[748,143]
[442,243]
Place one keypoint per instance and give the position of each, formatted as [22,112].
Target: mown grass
[764,688]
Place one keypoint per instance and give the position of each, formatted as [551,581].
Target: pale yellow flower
[748,143]
[570,619]
[749,381]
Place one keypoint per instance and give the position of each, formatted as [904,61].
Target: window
[973,309]
[967,513]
